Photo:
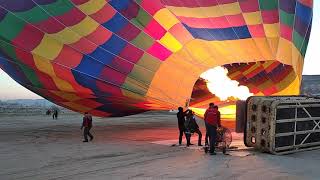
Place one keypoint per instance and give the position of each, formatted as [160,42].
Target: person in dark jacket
[87,124]
[53,114]
[56,114]
[181,119]
[48,112]
[191,126]
[212,120]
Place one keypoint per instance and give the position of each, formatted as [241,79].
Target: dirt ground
[135,147]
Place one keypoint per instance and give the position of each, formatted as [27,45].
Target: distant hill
[30,102]
[24,107]
[310,85]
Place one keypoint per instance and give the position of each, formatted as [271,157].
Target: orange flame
[219,84]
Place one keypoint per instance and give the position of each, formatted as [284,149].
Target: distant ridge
[29,102]
[26,107]
[310,85]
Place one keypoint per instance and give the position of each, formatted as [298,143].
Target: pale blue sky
[9,89]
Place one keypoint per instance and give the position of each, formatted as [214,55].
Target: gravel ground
[135,147]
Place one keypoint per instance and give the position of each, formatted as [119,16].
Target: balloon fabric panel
[122,57]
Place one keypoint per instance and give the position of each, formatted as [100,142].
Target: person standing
[53,114]
[56,114]
[212,120]
[48,112]
[181,120]
[216,108]
[87,124]
[192,127]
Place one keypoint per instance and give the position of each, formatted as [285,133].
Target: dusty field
[37,147]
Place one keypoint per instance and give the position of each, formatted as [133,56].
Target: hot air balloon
[122,57]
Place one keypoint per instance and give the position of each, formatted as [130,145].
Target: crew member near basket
[212,120]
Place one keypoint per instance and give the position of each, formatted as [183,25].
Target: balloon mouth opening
[225,85]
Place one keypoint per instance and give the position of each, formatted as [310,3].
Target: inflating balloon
[121,57]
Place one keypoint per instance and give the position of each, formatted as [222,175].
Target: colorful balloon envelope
[121,57]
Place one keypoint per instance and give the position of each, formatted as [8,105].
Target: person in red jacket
[216,108]
[212,121]
[87,124]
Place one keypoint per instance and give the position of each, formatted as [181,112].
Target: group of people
[188,125]
[54,113]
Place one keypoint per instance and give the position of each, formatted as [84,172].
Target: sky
[9,89]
